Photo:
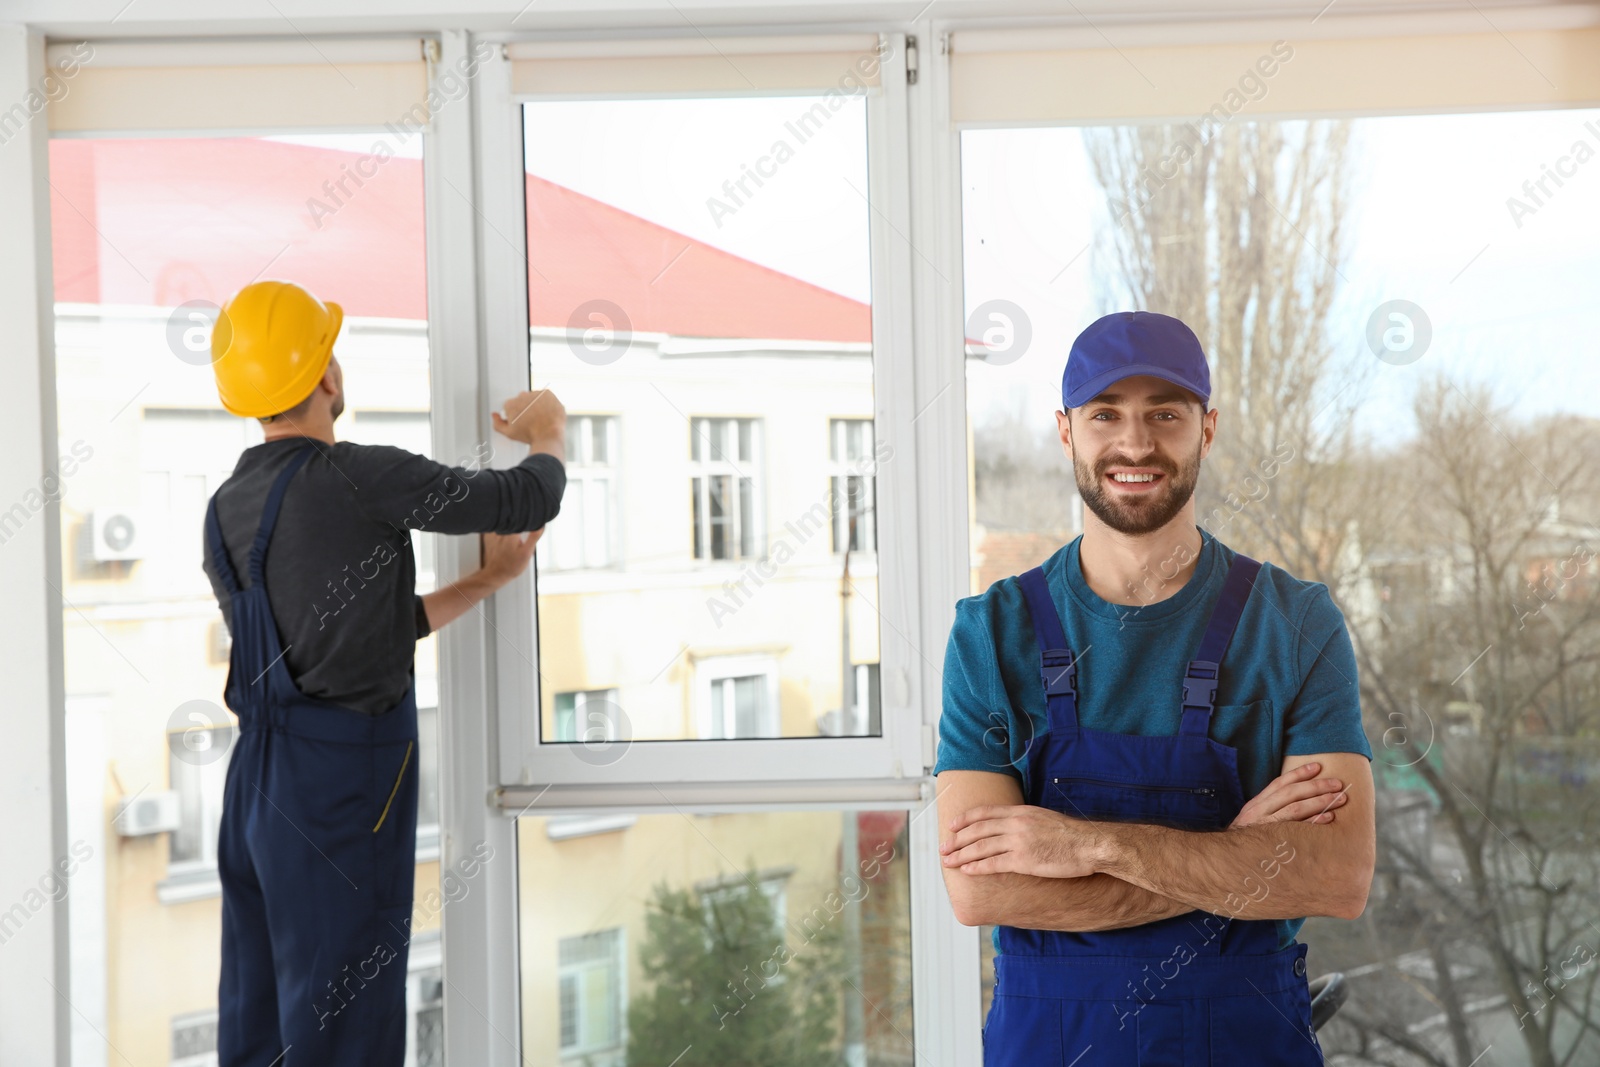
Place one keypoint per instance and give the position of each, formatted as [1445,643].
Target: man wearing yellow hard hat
[308,550]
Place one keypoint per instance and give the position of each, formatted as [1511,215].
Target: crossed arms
[1304,846]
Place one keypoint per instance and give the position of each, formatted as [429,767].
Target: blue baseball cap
[1126,343]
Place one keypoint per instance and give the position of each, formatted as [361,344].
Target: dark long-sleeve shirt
[341,576]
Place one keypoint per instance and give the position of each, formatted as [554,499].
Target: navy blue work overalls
[316,851]
[1193,990]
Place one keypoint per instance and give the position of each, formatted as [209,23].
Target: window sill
[181,887]
[609,1056]
[564,827]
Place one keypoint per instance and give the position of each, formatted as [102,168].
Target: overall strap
[1058,666]
[269,514]
[219,551]
[1200,681]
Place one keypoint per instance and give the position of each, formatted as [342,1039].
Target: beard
[1144,513]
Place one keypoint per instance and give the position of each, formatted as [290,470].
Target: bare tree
[1482,685]
[1243,244]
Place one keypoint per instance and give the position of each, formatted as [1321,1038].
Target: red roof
[1004,553]
[581,249]
[161,222]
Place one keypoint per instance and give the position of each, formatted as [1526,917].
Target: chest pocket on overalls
[1183,807]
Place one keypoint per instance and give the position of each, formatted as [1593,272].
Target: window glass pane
[696,490]
[719,691]
[569,1011]
[855,511]
[583,537]
[643,937]
[148,237]
[852,497]
[575,438]
[867,673]
[599,510]
[748,695]
[747,517]
[723,291]
[721,515]
[566,717]
[846,523]
[1399,315]
[872,515]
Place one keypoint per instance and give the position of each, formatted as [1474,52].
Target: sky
[1510,300]
[1509,306]
[668,160]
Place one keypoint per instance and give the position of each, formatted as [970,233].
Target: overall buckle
[1200,684]
[1059,671]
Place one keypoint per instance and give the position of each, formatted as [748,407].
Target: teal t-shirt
[1287,686]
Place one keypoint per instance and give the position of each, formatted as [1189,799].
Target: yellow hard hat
[271,346]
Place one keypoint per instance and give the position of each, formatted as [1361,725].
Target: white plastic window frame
[769,770]
[481,998]
[948,1027]
[451,301]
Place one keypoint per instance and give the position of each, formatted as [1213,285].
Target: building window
[194,1039]
[585,716]
[586,536]
[738,706]
[566,827]
[726,486]
[853,482]
[862,714]
[427,1018]
[592,996]
[732,890]
[198,780]
[738,697]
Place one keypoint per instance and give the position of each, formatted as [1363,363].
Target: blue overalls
[316,851]
[1193,990]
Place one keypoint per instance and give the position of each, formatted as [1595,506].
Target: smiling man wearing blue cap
[1151,761]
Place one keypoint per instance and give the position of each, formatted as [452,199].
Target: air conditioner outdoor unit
[114,535]
[147,813]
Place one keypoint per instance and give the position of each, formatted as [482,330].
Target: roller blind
[696,66]
[1292,68]
[208,86]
